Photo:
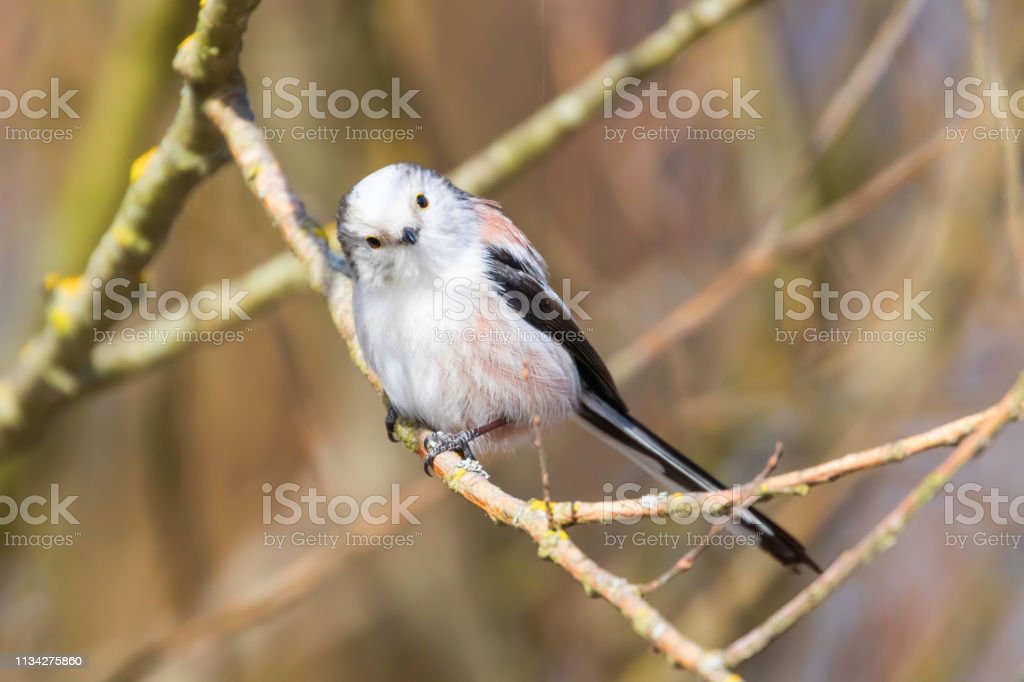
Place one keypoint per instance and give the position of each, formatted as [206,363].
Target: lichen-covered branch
[306,575]
[47,371]
[264,285]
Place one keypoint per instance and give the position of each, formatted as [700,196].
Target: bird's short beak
[410,235]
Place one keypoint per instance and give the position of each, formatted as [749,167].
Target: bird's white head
[405,222]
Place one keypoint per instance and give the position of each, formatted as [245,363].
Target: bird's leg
[439,442]
[389,423]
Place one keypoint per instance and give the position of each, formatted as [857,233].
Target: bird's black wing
[545,312]
[603,407]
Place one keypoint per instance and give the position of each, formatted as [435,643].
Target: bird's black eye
[421,200]
[373,242]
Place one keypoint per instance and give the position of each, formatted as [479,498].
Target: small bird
[455,315]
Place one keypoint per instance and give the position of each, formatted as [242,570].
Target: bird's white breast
[453,368]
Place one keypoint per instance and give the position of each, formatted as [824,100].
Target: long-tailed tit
[455,315]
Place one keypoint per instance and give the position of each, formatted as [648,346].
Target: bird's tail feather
[662,460]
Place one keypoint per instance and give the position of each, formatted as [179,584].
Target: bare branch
[685,563]
[792,483]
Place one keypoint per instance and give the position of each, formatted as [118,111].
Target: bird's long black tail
[662,460]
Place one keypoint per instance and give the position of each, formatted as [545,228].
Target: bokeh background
[169,467]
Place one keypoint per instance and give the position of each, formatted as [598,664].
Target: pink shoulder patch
[500,232]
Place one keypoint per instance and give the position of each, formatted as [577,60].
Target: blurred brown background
[169,468]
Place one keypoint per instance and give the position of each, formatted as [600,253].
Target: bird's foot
[389,423]
[439,442]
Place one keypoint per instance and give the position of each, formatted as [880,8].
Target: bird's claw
[439,442]
[389,423]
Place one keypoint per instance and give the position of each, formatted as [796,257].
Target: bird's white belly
[451,373]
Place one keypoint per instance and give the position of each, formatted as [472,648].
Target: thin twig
[793,483]
[685,563]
